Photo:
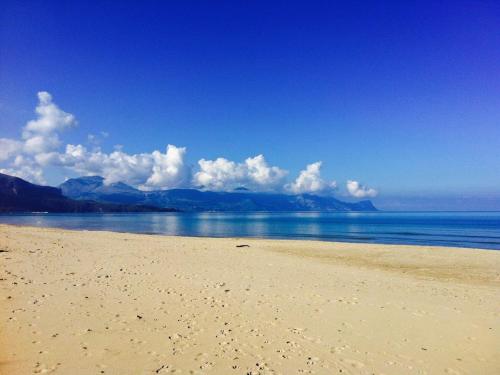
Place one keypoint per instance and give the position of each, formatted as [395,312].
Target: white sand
[99,302]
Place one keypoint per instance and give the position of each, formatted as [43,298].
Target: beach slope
[79,302]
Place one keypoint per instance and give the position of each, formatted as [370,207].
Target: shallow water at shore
[461,229]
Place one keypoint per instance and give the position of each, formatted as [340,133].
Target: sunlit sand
[79,302]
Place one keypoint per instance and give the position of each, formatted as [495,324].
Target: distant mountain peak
[87,179]
[18,195]
[122,187]
[240,199]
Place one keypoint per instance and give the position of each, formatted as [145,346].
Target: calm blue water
[464,229]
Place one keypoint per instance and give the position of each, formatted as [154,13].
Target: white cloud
[41,135]
[261,174]
[169,169]
[223,174]
[114,167]
[50,117]
[357,190]
[41,143]
[310,181]
[26,169]
[9,148]
[40,148]
[147,170]
[217,174]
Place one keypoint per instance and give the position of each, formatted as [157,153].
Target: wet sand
[78,302]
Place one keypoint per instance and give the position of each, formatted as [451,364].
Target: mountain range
[94,188]
[18,195]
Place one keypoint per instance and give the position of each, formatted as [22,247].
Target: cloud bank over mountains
[357,190]
[254,173]
[310,181]
[40,147]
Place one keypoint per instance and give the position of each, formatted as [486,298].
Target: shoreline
[284,239]
[124,303]
[277,238]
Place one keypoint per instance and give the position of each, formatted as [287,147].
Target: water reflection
[454,229]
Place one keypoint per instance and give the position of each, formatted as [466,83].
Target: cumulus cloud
[9,148]
[262,175]
[216,174]
[169,169]
[310,181]
[146,170]
[26,169]
[50,117]
[114,167]
[223,174]
[357,190]
[40,148]
[41,142]
[41,134]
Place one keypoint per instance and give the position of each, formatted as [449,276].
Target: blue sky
[403,97]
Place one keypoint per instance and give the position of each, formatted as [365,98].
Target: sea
[459,229]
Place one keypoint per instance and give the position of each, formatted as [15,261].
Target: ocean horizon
[453,229]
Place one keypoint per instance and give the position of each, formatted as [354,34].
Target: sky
[398,102]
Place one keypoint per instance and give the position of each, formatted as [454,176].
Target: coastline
[85,302]
[441,229]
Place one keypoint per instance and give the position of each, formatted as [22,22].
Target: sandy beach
[80,302]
